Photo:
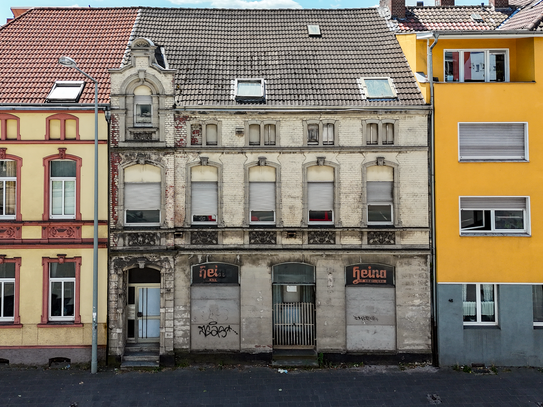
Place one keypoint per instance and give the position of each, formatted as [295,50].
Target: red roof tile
[30,45]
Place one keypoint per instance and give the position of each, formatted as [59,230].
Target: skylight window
[250,90]
[313,30]
[66,91]
[378,88]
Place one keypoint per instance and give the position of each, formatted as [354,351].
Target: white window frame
[143,100]
[3,282]
[77,89]
[537,323]
[493,230]
[487,52]
[261,95]
[364,88]
[478,306]
[3,181]
[51,193]
[62,280]
[494,158]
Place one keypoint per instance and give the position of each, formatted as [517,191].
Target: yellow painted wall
[33,150]
[30,303]
[497,258]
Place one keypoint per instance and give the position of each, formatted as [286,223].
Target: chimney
[396,7]
[440,3]
[498,3]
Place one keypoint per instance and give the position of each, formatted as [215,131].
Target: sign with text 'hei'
[369,273]
[215,273]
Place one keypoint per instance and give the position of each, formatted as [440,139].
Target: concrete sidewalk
[263,386]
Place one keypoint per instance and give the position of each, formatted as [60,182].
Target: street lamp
[70,63]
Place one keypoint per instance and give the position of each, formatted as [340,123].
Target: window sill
[490,234]
[493,327]
[539,327]
[58,324]
[493,160]
[7,325]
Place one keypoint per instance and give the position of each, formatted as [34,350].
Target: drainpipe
[432,187]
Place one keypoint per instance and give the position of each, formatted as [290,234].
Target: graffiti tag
[212,329]
[368,318]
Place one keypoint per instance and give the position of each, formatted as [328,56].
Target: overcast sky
[5,11]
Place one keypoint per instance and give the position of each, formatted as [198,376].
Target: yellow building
[488,156]
[47,135]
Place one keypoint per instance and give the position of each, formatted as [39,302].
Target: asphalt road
[265,386]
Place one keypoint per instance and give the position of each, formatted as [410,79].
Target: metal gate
[294,324]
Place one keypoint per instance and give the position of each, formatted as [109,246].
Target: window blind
[204,198]
[492,141]
[485,202]
[262,196]
[142,196]
[380,191]
[320,196]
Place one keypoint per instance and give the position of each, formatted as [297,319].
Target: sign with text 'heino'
[217,273]
[369,273]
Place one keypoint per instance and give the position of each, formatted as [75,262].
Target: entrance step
[141,355]
[295,358]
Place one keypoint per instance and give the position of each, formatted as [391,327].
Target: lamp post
[70,63]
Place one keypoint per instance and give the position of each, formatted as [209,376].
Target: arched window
[143,106]
[142,195]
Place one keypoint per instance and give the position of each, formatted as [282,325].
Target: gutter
[50,106]
[432,185]
[283,109]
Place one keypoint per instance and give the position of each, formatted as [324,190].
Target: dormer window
[250,90]
[66,91]
[378,88]
[143,106]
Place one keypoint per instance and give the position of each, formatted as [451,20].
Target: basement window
[378,88]
[66,91]
[250,90]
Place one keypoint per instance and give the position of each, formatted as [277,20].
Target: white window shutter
[204,198]
[262,196]
[320,196]
[142,196]
[380,191]
[492,141]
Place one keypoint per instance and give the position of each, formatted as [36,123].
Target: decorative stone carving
[204,237]
[381,238]
[63,232]
[260,237]
[321,237]
[262,161]
[143,136]
[321,160]
[9,232]
[142,239]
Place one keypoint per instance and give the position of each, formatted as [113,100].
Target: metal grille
[294,324]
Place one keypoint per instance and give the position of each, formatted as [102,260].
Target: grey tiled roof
[452,18]
[528,18]
[210,48]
